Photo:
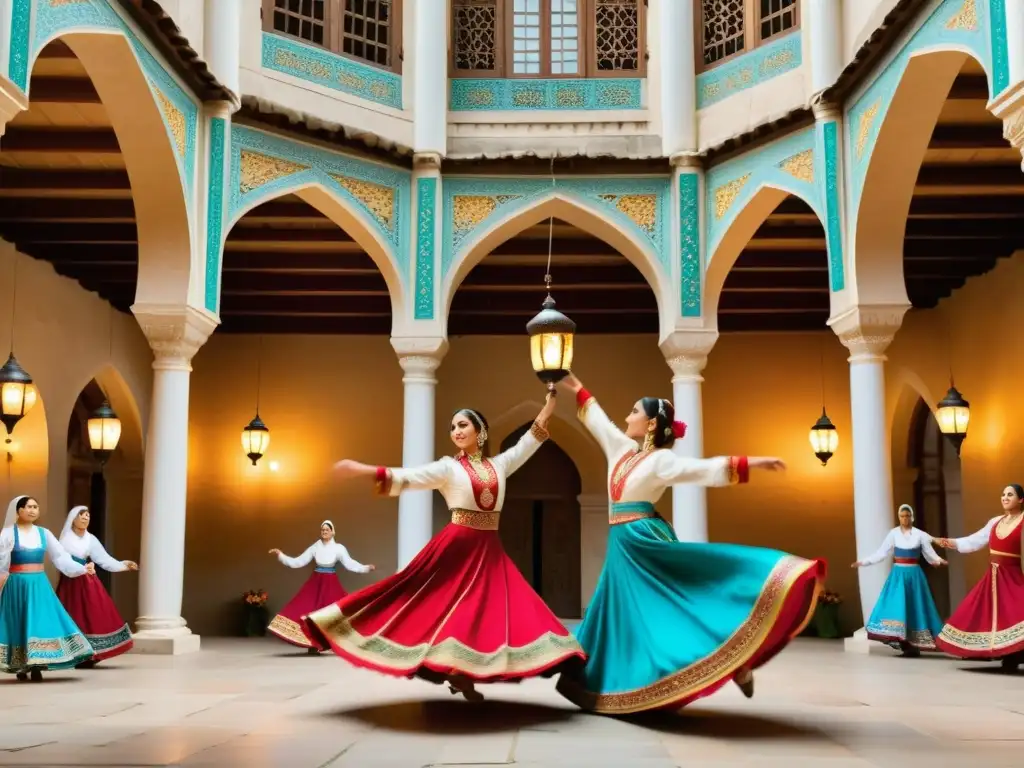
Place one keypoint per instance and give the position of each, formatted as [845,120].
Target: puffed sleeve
[718,471]
[520,453]
[926,547]
[977,540]
[298,562]
[342,556]
[6,545]
[883,551]
[612,440]
[100,556]
[60,557]
[391,481]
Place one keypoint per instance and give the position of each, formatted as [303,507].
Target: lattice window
[731,27]
[548,38]
[475,38]
[365,30]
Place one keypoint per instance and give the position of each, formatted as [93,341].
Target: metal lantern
[17,393]
[954,415]
[551,337]
[255,439]
[104,432]
[824,438]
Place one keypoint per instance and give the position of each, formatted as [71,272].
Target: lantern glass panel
[824,440]
[551,351]
[17,398]
[953,419]
[255,441]
[104,433]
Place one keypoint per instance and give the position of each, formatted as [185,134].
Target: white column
[593,542]
[686,353]
[826,40]
[678,77]
[415,508]
[1015,40]
[867,332]
[429,68]
[175,334]
[222,44]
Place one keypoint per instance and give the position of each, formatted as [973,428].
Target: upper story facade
[503,78]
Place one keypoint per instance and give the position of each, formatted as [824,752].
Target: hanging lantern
[104,432]
[953,414]
[255,439]
[17,393]
[551,337]
[824,438]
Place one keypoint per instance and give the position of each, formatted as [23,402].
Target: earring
[481,438]
[649,440]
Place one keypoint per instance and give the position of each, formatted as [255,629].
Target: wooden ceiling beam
[37,179]
[970,175]
[67,232]
[973,136]
[969,88]
[62,90]
[78,141]
[61,208]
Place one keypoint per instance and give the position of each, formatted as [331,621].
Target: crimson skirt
[321,588]
[989,623]
[91,608]
[460,607]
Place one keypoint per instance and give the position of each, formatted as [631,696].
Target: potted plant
[256,615]
[826,616]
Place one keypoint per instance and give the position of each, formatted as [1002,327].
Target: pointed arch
[575,211]
[911,390]
[345,215]
[125,402]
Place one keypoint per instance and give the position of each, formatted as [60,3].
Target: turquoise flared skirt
[905,611]
[35,630]
[673,621]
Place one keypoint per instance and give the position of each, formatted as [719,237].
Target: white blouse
[62,561]
[645,477]
[915,539]
[88,547]
[449,477]
[325,556]
[978,539]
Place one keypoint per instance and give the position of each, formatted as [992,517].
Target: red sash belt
[905,560]
[27,568]
[997,556]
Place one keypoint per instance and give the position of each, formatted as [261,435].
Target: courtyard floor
[259,703]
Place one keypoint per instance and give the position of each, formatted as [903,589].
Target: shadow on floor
[716,724]
[455,717]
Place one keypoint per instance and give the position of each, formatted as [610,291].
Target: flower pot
[826,620]
[256,620]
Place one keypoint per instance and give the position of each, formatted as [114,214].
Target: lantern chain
[14,298]
[551,232]
[259,374]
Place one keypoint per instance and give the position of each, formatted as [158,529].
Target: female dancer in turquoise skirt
[673,621]
[36,632]
[905,616]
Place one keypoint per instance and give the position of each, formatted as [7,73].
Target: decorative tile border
[999,46]
[265,166]
[690,261]
[829,146]
[750,69]
[331,70]
[215,212]
[504,94]
[638,205]
[961,25]
[426,206]
[18,57]
[54,18]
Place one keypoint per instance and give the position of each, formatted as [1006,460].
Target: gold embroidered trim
[581,412]
[480,521]
[289,630]
[736,651]
[539,433]
[733,470]
[997,553]
[630,517]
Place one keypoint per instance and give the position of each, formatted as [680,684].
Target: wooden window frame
[587,37]
[752,39]
[333,15]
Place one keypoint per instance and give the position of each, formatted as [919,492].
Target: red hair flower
[678,429]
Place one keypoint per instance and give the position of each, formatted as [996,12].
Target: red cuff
[743,469]
[582,397]
[382,481]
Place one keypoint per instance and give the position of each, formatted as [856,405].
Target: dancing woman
[673,621]
[989,623]
[905,616]
[36,632]
[85,598]
[461,611]
[321,588]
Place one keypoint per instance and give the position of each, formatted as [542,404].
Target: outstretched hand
[546,411]
[857,564]
[275,552]
[130,565]
[571,383]
[944,543]
[346,468]
[940,563]
[771,463]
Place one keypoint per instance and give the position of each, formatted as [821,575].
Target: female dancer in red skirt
[84,597]
[460,611]
[989,623]
[321,588]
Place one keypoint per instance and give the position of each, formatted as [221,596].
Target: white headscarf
[909,509]
[71,519]
[12,510]
[328,522]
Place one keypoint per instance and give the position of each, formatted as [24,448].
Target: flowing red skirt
[321,589]
[91,608]
[460,607]
[972,632]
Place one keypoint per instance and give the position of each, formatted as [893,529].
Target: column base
[169,638]
[860,643]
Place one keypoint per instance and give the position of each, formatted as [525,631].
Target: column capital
[420,356]
[12,102]
[686,353]
[867,330]
[682,160]
[175,332]
[1010,109]
[426,161]
[221,109]
[826,110]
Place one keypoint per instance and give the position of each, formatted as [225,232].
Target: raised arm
[391,481]
[882,552]
[62,559]
[343,557]
[102,558]
[297,562]
[612,440]
[967,544]
[717,471]
[529,443]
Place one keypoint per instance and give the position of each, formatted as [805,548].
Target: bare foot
[745,680]
[465,686]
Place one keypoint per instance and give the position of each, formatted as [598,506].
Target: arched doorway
[937,501]
[540,525]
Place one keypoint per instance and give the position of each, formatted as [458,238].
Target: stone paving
[258,703]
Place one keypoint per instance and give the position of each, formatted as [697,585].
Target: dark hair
[475,418]
[23,502]
[664,414]
[1018,490]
